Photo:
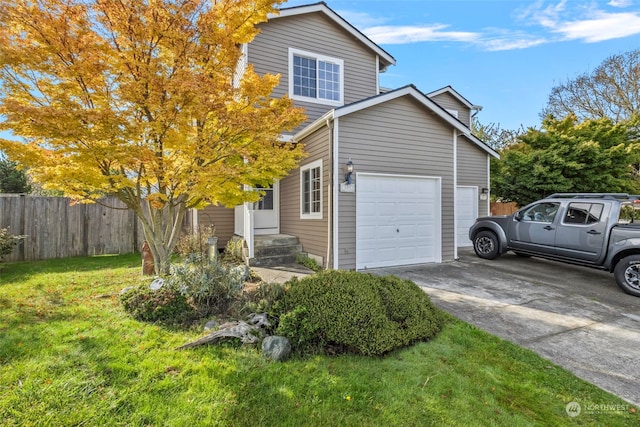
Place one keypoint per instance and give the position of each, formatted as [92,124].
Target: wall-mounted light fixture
[484,193]
[348,170]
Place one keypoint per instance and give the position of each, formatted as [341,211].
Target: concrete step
[274,250]
[274,240]
[260,251]
[270,261]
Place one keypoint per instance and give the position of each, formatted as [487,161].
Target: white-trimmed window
[315,78]
[311,190]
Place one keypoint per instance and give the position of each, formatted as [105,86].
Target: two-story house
[392,177]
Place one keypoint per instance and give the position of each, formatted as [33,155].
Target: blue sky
[505,55]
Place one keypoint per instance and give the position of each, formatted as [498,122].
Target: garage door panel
[386,232]
[466,213]
[404,213]
[386,208]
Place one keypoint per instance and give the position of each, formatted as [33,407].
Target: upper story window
[315,78]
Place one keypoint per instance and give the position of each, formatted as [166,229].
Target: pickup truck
[595,230]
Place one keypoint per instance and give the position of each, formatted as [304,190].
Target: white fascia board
[424,100]
[314,126]
[322,7]
[398,93]
[455,94]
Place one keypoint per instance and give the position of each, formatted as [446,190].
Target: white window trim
[309,166]
[317,57]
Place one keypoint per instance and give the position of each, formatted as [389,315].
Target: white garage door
[397,220]
[466,213]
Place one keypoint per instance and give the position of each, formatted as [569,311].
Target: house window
[315,78]
[311,190]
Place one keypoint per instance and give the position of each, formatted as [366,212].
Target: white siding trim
[377,74]
[241,66]
[489,185]
[398,93]
[455,192]
[336,179]
[454,93]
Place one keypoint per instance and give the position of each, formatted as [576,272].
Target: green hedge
[348,311]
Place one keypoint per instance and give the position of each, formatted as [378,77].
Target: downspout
[334,151]
[329,196]
[488,211]
[455,193]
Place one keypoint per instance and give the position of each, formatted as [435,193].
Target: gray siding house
[392,177]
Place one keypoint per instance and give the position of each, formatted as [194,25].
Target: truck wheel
[485,244]
[627,274]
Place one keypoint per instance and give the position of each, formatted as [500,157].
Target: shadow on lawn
[20,271]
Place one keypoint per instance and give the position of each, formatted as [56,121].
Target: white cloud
[603,26]
[413,34]
[620,3]
[585,21]
[539,14]
[360,19]
[511,43]
[559,21]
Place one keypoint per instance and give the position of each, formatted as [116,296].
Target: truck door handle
[548,227]
[593,232]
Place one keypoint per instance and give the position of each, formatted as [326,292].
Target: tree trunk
[148,266]
[162,227]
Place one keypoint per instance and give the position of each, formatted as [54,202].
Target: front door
[266,215]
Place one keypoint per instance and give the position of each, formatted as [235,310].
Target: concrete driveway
[574,316]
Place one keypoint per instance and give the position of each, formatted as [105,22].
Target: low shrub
[347,311]
[308,262]
[165,305]
[261,298]
[8,242]
[195,244]
[233,252]
[209,285]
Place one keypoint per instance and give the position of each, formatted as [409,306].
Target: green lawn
[69,355]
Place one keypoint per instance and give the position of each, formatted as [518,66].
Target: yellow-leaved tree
[143,100]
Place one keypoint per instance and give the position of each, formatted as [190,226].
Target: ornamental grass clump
[196,289]
[346,311]
[209,285]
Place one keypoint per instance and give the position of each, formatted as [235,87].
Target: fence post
[23,227]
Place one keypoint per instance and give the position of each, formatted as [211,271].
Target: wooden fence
[57,229]
[502,208]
